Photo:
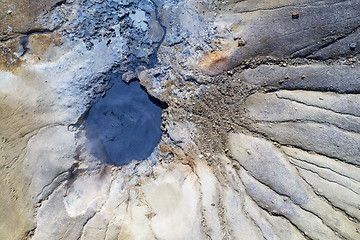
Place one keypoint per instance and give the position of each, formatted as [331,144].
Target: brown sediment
[37,48]
[8,58]
[20,16]
[40,43]
[20,19]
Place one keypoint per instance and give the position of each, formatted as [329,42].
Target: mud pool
[124,125]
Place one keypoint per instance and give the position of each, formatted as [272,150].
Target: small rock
[213,204]
[128,76]
[352,46]
[248,151]
[241,42]
[295,15]
[302,76]
[9,12]
[236,166]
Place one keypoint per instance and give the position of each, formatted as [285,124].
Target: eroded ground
[260,134]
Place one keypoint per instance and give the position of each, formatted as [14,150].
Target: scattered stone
[352,46]
[295,15]
[241,42]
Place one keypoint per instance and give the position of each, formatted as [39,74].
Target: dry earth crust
[261,134]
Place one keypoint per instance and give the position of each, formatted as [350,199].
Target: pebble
[352,46]
[295,15]
[241,42]
[9,12]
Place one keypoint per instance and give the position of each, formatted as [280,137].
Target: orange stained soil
[214,63]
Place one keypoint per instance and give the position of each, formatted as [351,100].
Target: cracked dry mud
[260,136]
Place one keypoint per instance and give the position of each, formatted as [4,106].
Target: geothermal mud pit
[124,125]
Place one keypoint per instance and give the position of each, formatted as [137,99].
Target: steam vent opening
[124,125]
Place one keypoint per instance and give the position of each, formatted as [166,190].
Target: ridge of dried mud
[232,103]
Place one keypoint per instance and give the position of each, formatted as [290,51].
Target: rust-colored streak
[219,61]
[215,63]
